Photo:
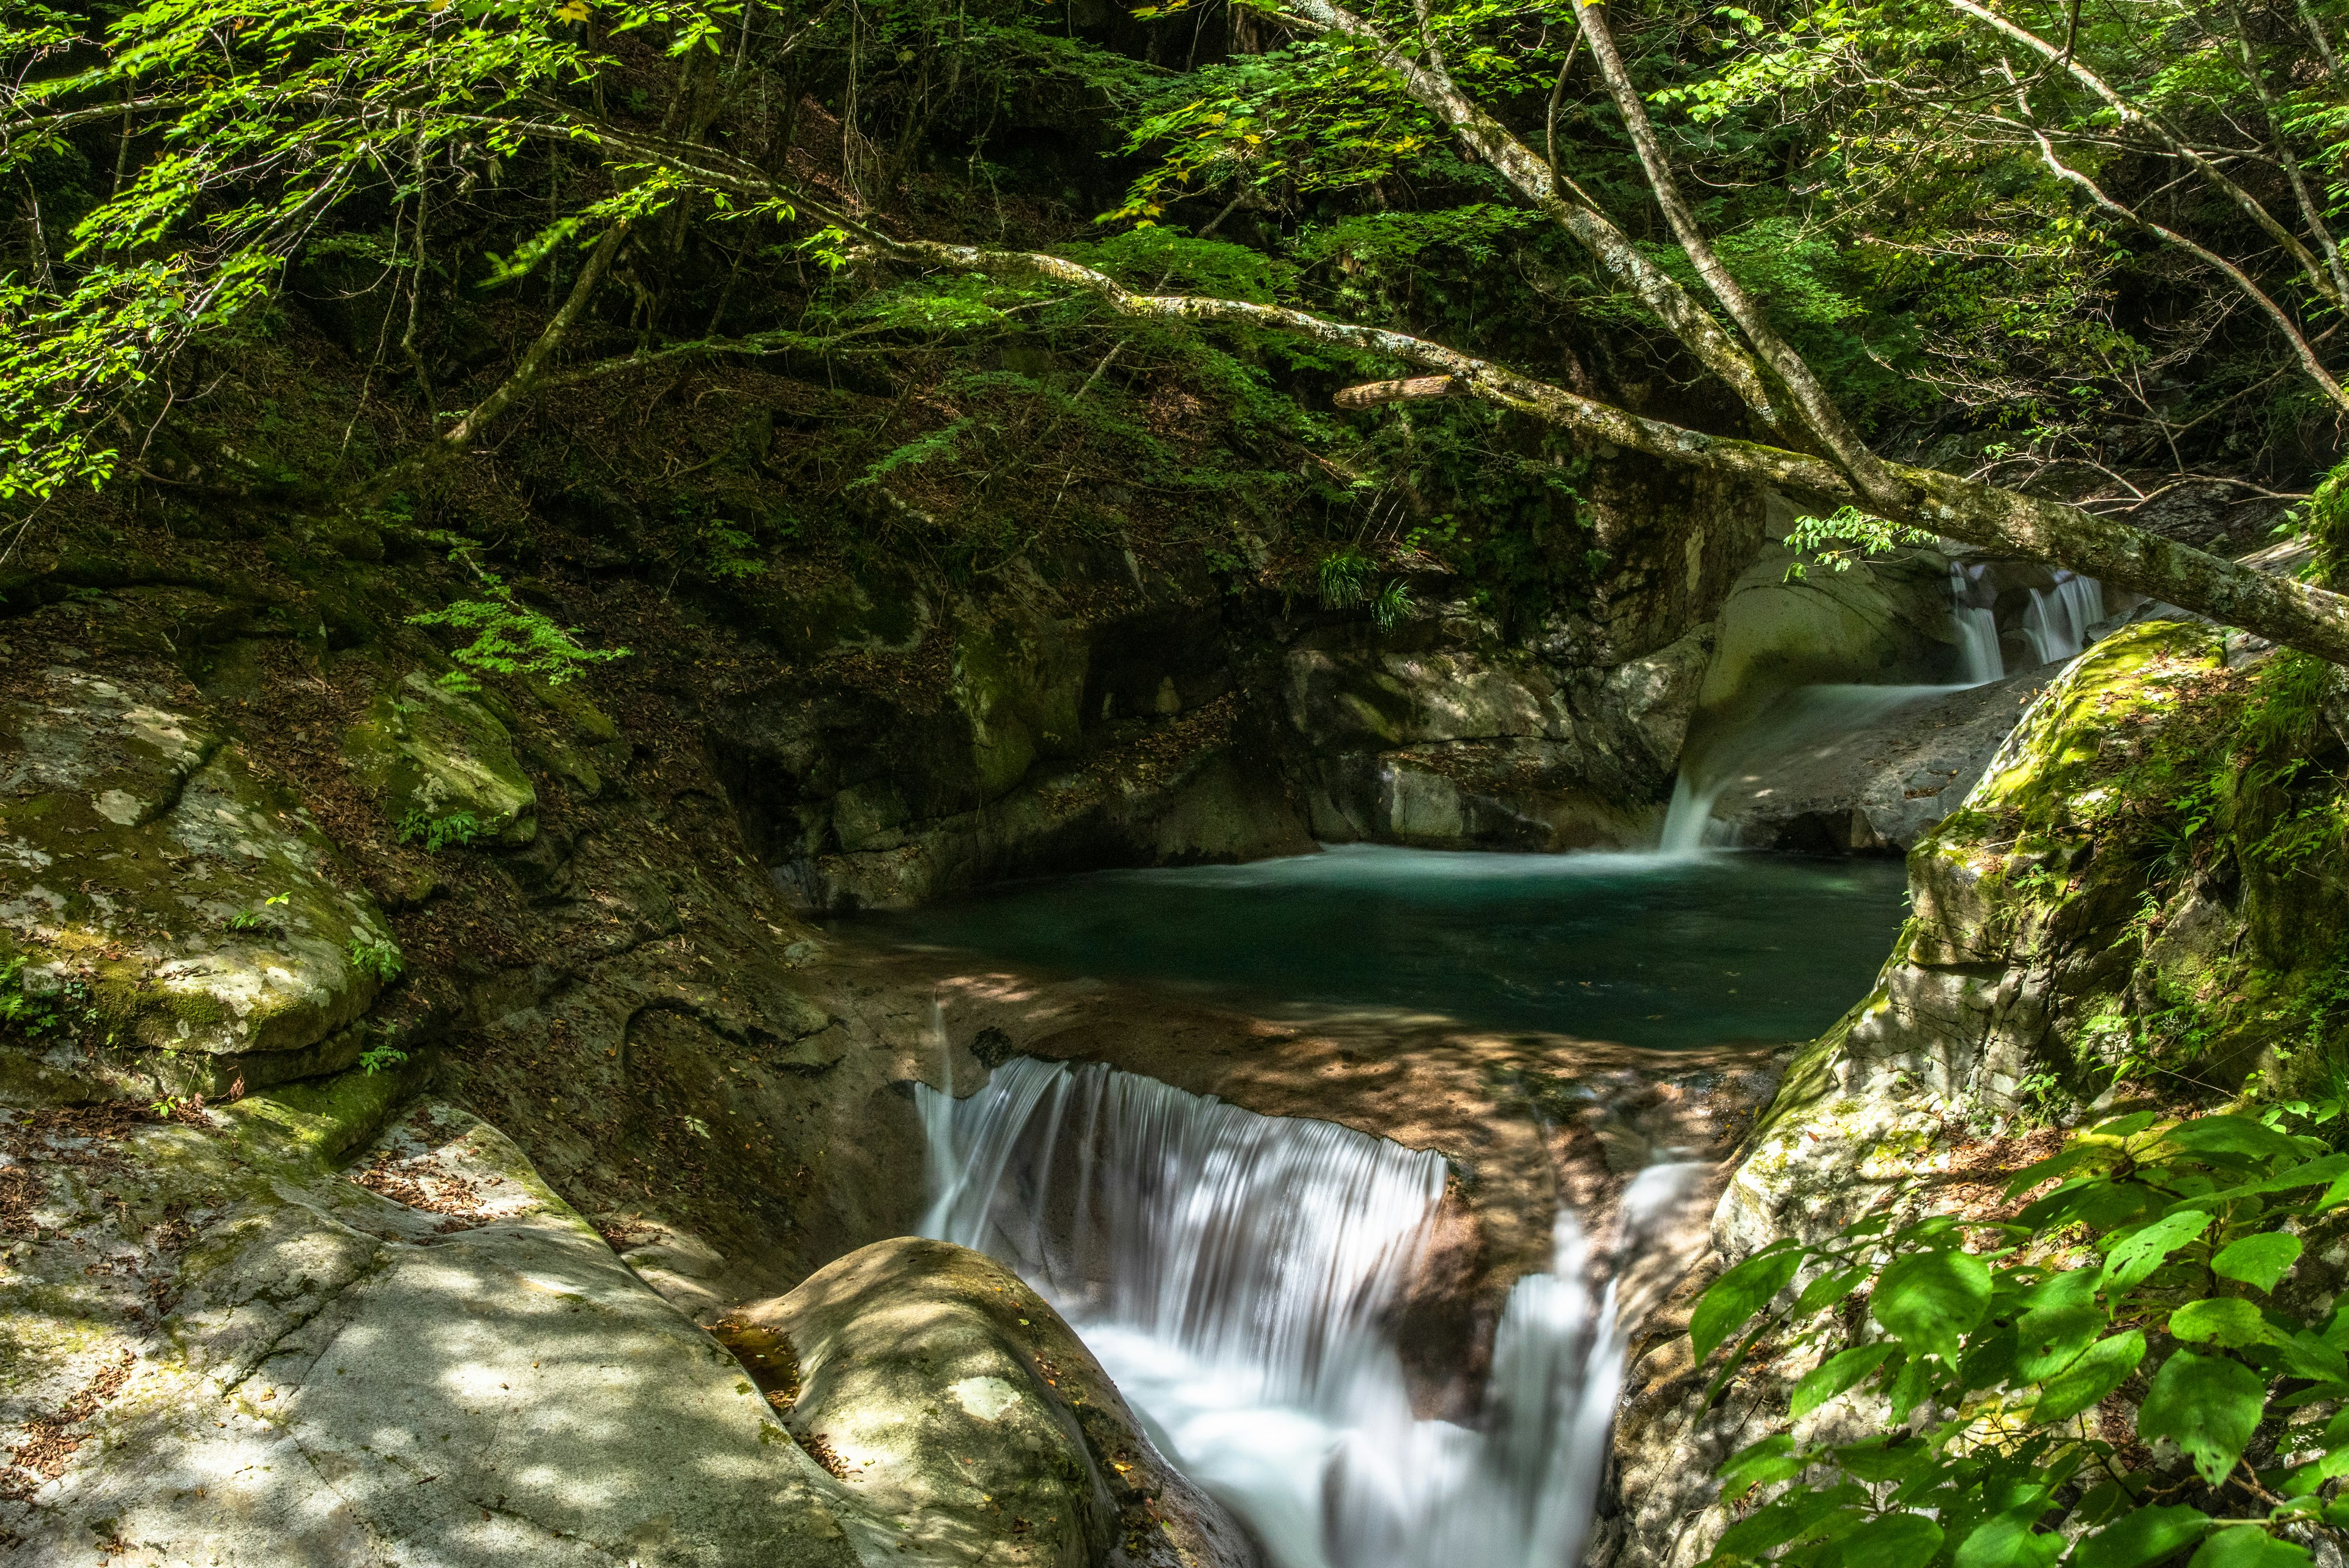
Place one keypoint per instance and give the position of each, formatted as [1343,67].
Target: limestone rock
[178,923]
[953,1401]
[434,757]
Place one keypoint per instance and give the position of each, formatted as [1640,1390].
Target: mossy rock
[442,766]
[166,906]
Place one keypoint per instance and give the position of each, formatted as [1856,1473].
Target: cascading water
[1809,718]
[1979,659]
[2057,621]
[1235,1274]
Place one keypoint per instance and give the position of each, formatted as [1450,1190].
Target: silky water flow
[1235,1274]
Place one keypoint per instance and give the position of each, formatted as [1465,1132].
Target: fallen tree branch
[1371,394]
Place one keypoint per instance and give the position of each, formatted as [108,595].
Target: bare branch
[1371,394]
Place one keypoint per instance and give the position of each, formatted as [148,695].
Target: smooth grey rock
[955,1402]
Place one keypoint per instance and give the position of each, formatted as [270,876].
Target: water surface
[1645,949]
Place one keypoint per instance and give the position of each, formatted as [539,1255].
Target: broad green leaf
[2139,1536]
[1879,1460]
[1835,1375]
[2207,1405]
[2229,1135]
[2093,1202]
[2100,1369]
[2049,1339]
[2007,1540]
[1893,1540]
[2122,1127]
[1790,1517]
[1760,1464]
[2258,1260]
[2229,1320]
[2248,1546]
[1733,1299]
[2141,1251]
[1827,1290]
[1929,1299]
[2030,1176]
[2305,1355]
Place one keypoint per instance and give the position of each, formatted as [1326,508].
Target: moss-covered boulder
[442,767]
[169,919]
[950,1398]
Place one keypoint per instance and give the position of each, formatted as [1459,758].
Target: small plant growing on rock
[458,827]
[380,1057]
[258,918]
[377,957]
[19,1009]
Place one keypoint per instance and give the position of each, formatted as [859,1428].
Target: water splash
[2056,623]
[1235,1274]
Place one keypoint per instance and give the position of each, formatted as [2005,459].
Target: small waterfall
[1809,720]
[1233,1274]
[2057,621]
[1979,658]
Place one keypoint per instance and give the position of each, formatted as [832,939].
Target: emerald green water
[1665,951]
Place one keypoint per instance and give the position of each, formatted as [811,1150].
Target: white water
[2057,621]
[1809,721]
[1979,659]
[1233,1274]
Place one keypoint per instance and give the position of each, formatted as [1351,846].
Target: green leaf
[2140,1536]
[2229,1135]
[2122,1127]
[2141,1251]
[2008,1541]
[2052,1338]
[2258,1261]
[1827,1290]
[2030,1176]
[2248,1546]
[1835,1375]
[1737,1295]
[1797,1513]
[1893,1540]
[2100,1369]
[1929,1299]
[1760,1464]
[2229,1320]
[2207,1405]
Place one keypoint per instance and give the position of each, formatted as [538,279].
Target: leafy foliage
[2009,1363]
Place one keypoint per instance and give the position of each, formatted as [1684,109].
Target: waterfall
[1978,659]
[2056,623]
[1809,720]
[1236,1274]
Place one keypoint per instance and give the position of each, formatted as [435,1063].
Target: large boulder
[224,1350]
[1442,735]
[955,1404]
[1810,779]
[169,920]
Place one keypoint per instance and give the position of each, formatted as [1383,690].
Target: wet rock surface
[1880,786]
